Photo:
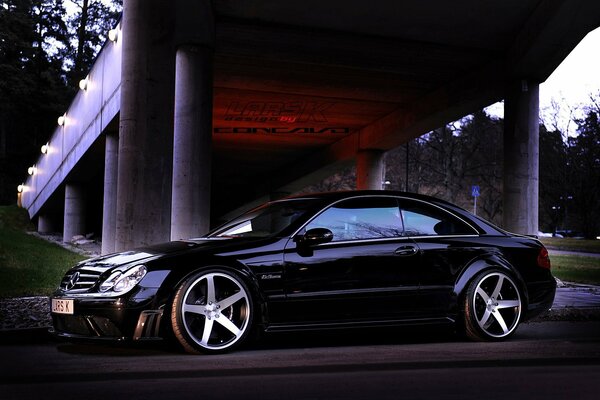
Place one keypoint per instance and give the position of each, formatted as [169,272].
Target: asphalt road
[546,360]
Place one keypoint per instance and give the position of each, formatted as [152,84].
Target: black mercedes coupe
[313,262]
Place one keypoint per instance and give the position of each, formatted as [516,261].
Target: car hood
[162,249]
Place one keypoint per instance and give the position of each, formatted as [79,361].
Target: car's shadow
[357,337]
[276,341]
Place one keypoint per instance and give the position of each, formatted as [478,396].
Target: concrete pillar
[45,224]
[369,169]
[109,205]
[521,159]
[190,209]
[74,221]
[145,124]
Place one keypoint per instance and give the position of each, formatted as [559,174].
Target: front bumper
[121,318]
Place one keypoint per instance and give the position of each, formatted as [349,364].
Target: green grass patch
[568,244]
[15,218]
[576,269]
[28,265]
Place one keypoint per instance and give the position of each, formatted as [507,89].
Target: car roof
[343,194]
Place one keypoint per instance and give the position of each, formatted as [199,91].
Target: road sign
[475,194]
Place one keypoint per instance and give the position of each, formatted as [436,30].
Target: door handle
[406,250]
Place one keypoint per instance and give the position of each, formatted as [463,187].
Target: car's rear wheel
[212,312]
[492,306]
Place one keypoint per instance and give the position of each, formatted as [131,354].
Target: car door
[367,272]
[446,244]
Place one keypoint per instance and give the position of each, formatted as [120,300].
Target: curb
[569,314]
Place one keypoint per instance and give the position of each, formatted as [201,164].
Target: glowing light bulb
[113,34]
[83,84]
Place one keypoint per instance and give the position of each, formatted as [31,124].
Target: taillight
[543,259]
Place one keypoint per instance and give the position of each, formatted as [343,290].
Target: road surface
[545,360]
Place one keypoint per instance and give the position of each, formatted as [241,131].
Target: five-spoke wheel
[492,306]
[212,312]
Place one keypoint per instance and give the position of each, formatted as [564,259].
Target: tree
[554,189]
[32,89]
[584,173]
[90,25]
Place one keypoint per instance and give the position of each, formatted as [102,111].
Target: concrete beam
[549,35]
[74,221]
[285,59]
[146,124]
[370,167]
[45,223]
[109,207]
[190,211]
[521,159]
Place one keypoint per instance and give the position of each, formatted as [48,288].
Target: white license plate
[61,306]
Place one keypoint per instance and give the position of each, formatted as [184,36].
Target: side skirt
[357,324]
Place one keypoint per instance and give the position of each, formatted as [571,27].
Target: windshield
[266,220]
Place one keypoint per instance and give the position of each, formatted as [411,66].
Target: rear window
[424,220]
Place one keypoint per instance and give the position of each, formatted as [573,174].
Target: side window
[425,220]
[354,219]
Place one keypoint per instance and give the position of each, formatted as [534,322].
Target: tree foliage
[584,174]
[554,194]
[570,177]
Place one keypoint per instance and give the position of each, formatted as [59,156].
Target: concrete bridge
[197,108]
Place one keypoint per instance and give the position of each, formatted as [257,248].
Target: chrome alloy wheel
[497,305]
[215,311]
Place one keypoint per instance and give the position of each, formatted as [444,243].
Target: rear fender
[489,262]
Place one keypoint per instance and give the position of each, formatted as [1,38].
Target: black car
[312,262]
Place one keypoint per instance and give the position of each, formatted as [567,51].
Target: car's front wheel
[212,312]
[492,306]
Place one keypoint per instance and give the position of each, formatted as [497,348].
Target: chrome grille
[81,279]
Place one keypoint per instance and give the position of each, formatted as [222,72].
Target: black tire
[492,306]
[216,320]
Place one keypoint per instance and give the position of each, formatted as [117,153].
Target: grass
[585,245]
[28,265]
[576,268]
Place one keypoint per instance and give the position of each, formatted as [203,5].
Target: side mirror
[315,236]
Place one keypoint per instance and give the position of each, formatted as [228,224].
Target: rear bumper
[541,297]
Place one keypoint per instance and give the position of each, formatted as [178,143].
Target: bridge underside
[225,102]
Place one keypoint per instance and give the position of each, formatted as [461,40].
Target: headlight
[122,282]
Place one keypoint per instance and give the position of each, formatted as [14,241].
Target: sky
[569,86]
